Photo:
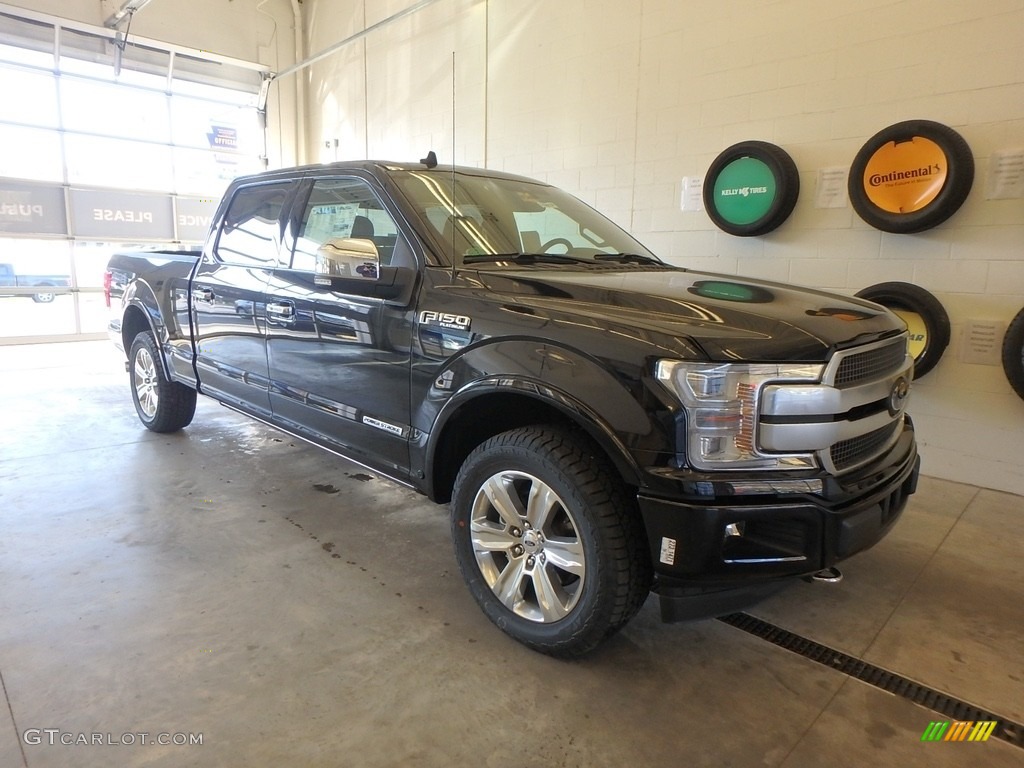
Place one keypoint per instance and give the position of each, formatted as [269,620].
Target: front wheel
[162,405]
[548,540]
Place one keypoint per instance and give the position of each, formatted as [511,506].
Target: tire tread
[614,513]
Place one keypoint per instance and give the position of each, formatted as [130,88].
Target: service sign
[121,215]
[32,209]
[193,216]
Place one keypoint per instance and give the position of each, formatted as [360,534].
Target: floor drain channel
[1005,730]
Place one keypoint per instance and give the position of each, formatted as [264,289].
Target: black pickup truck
[602,423]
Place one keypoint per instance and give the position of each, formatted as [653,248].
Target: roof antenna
[430,160]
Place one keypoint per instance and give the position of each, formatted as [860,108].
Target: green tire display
[911,176]
[751,188]
[926,319]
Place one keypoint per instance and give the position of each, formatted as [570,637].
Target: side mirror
[351,258]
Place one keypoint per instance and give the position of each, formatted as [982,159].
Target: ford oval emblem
[898,395]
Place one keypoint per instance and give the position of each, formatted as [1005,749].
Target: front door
[339,362]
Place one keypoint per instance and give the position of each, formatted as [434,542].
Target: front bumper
[715,546]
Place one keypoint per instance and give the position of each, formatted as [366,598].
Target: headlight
[721,402]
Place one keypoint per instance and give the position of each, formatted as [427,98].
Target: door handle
[283,310]
[202,294]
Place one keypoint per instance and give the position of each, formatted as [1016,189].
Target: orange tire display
[911,176]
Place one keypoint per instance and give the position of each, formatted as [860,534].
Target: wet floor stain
[361,477]
[326,488]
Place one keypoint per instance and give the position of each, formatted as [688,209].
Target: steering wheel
[557,241]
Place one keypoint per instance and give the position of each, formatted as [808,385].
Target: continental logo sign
[905,176]
[959,730]
[878,179]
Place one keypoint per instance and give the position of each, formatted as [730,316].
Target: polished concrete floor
[290,609]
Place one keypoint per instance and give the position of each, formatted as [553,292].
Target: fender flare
[529,387]
[140,296]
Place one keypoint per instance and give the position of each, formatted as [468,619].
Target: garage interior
[292,608]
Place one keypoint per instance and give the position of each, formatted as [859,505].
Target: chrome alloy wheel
[527,546]
[146,383]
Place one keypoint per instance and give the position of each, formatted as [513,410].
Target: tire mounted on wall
[911,176]
[751,188]
[1013,353]
[924,314]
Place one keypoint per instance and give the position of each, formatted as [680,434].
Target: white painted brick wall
[619,101]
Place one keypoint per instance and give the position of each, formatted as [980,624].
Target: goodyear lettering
[878,179]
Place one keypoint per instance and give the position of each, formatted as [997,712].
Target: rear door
[228,315]
[339,362]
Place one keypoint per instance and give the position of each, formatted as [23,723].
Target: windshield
[497,219]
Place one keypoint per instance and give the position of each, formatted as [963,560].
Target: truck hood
[727,317]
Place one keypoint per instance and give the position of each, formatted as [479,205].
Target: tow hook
[827,576]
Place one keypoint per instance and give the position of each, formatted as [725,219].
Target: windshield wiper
[524,258]
[628,258]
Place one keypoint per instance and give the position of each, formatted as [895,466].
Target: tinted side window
[343,208]
[251,232]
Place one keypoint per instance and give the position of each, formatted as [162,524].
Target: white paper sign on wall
[831,190]
[692,197]
[1006,175]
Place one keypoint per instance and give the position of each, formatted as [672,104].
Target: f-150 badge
[445,320]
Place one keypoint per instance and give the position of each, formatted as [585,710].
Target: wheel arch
[142,313]
[497,404]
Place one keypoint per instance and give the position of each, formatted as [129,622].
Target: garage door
[107,144]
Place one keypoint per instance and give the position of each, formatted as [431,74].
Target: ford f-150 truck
[44,285]
[602,423]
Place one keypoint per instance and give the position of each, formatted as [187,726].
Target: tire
[1013,353]
[925,317]
[751,164]
[43,297]
[568,529]
[162,405]
[911,176]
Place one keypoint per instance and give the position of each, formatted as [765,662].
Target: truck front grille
[848,419]
[873,364]
[850,453]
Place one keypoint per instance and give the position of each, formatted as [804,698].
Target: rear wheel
[548,540]
[162,405]
[43,297]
